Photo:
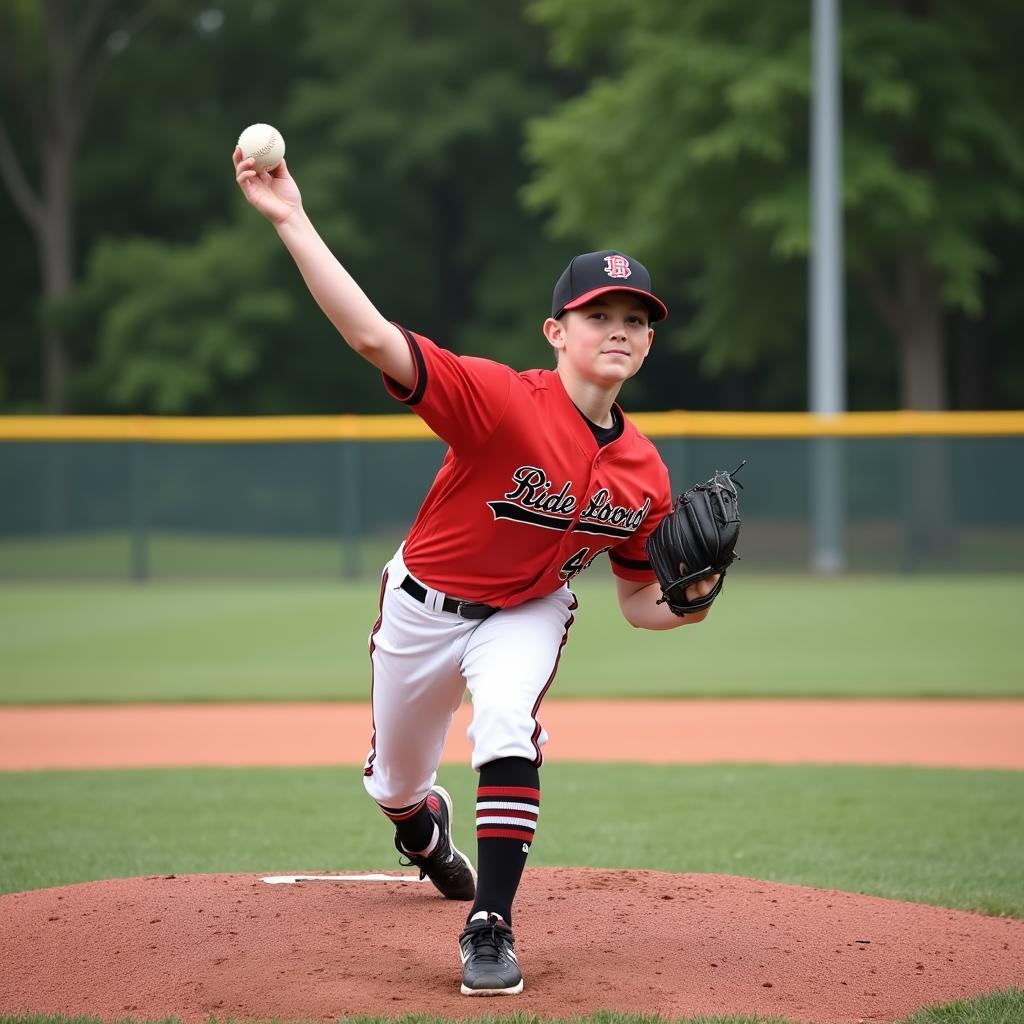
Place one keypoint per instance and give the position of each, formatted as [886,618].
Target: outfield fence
[330,497]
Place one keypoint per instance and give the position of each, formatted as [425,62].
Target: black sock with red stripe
[507,803]
[413,825]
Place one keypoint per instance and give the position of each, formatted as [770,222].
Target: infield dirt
[234,946]
[936,733]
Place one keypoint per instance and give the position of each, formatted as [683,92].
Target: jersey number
[583,559]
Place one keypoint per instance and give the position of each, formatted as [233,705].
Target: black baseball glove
[695,540]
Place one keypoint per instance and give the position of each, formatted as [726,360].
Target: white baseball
[264,142]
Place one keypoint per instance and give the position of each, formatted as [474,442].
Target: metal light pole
[827,356]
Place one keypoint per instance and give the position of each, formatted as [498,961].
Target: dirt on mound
[632,941]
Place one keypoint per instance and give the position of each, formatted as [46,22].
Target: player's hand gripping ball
[264,143]
[695,540]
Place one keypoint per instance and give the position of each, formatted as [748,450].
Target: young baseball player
[543,473]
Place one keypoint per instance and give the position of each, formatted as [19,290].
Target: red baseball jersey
[525,498]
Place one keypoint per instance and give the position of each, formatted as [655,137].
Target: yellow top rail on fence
[405,426]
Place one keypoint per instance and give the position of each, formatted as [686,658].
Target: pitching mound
[236,946]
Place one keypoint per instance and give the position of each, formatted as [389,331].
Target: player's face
[607,340]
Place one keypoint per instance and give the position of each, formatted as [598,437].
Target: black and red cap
[594,273]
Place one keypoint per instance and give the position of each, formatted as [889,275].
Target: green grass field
[871,830]
[1006,1007]
[945,837]
[769,636]
[103,555]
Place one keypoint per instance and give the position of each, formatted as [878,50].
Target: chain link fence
[161,510]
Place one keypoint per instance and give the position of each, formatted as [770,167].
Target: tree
[417,113]
[177,324]
[690,145]
[52,58]
[183,299]
[408,152]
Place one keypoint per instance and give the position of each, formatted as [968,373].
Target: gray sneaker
[447,867]
[489,964]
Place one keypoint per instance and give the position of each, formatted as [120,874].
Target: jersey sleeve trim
[409,396]
[629,563]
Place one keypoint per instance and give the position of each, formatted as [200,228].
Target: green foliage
[427,123]
[935,150]
[407,154]
[685,140]
[156,161]
[22,23]
[691,149]
[177,323]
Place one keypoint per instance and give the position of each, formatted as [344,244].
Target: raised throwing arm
[276,195]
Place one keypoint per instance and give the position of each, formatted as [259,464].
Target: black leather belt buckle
[470,609]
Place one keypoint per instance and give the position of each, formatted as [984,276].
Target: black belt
[467,609]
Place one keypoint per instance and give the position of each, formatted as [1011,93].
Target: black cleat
[447,867]
[489,965]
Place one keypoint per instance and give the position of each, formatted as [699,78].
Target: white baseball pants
[422,662]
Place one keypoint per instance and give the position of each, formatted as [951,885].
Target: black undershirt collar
[604,435]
